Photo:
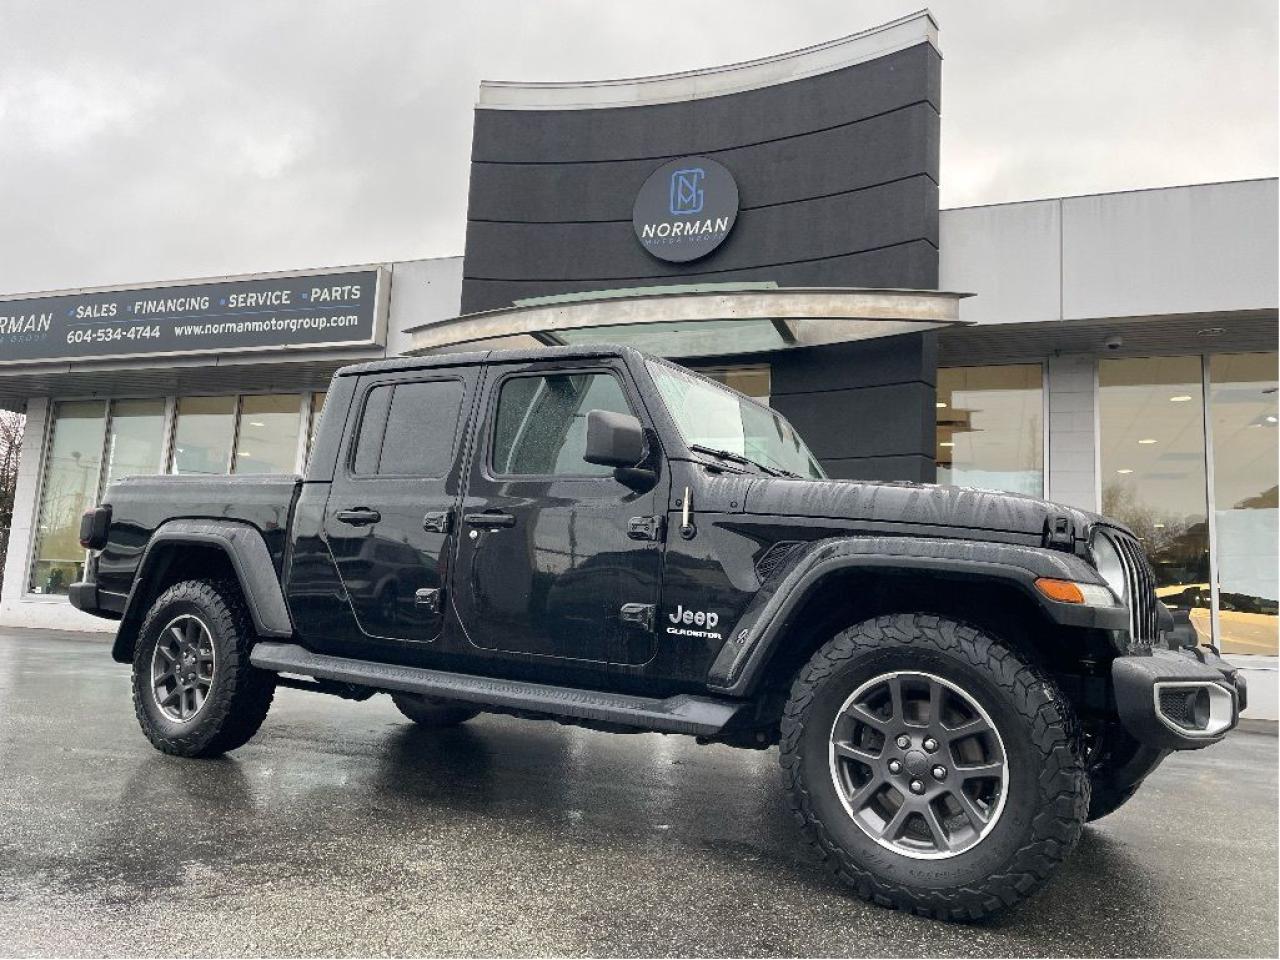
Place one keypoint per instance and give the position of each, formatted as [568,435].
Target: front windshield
[710,415]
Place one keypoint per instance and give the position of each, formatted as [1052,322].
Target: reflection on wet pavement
[343,829]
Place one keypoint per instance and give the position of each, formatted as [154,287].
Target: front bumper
[1178,699]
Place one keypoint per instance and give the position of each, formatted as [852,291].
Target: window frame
[1206,384]
[167,449]
[488,469]
[353,440]
[1211,492]
[1043,364]
[46,440]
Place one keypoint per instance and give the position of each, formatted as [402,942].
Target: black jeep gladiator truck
[957,680]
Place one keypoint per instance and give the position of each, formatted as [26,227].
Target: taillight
[94,526]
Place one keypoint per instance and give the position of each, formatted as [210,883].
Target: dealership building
[776,225]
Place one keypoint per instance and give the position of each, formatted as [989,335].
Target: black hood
[918,504]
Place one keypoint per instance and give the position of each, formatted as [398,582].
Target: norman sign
[229,315]
[685,209]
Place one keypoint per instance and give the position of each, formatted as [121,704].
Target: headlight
[1106,560]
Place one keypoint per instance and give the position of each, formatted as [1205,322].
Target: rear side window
[409,429]
[541,424]
[372,423]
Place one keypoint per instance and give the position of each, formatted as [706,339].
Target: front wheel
[194,690]
[934,770]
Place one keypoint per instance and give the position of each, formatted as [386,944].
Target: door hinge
[429,597]
[639,615]
[646,528]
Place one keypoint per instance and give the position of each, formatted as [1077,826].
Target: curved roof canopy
[918,27]
[688,322]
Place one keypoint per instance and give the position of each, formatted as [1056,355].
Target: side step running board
[696,716]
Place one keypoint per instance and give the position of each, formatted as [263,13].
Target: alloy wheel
[182,668]
[918,765]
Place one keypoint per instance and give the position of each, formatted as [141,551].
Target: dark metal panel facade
[837,175]
[867,409]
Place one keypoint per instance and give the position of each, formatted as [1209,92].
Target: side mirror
[614,439]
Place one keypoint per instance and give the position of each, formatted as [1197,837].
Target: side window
[372,422]
[541,424]
[409,429]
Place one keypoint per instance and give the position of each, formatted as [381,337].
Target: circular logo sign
[685,209]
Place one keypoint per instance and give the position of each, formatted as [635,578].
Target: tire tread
[1063,783]
[243,694]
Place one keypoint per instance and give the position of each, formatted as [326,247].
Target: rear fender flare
[745,656]
[243,546]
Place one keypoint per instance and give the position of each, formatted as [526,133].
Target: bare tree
[12,426]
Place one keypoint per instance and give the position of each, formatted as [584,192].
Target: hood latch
[1059,533]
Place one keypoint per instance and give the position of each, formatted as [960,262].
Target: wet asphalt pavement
[343,829]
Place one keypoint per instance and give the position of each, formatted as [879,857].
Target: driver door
[546,562]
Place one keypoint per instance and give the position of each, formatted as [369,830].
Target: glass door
[1243,428]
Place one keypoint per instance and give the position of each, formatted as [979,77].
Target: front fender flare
[250,559]
[745,655]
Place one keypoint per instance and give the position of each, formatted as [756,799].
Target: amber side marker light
[1068,591]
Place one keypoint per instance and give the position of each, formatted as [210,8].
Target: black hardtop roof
[488,356]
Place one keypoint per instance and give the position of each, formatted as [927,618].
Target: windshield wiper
[746,461]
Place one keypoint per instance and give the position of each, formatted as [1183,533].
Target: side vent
[775,557]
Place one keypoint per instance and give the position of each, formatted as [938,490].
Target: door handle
[359,517]
[489,519]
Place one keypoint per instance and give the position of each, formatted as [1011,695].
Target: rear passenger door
[391,516]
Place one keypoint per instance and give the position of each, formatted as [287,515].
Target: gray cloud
[143,141]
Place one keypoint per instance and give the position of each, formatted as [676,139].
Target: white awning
[688,322]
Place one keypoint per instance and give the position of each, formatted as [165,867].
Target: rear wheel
[933,769]
[195,692]
[431,711]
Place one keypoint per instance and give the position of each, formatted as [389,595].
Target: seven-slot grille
[1140,588]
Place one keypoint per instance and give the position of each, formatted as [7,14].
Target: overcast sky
[153,141]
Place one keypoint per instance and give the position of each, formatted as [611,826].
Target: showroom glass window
[135,439]
[991,427]
[1243,421]
[203,435]
[72,467]
[753,381]
[1153,477]
[267,441]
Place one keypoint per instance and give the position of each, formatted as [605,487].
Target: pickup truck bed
[141,505]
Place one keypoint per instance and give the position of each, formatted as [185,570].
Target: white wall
[1009,255]
[1197,249]
[1073,470]
[422,290]
[1210,248]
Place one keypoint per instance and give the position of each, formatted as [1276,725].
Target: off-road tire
[1047,787]
[240,695]
[432,712]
